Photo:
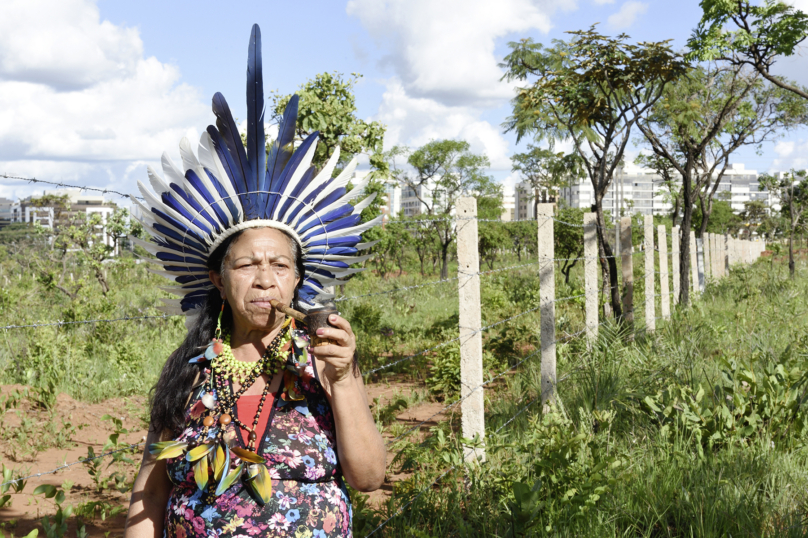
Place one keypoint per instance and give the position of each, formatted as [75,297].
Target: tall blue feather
[291,167]
[281,150]
[232,139]
[256,141]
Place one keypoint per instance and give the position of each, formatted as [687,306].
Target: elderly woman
[253,430]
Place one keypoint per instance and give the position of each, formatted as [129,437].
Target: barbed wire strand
[87,321]
[58,184]
[66,465]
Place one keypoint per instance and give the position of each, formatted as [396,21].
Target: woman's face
[258,267]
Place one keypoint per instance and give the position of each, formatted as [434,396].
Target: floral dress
[309,498]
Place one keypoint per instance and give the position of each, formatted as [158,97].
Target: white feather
[158,204]
[212,164]
[304,165]
[356,230]
[218,170]
[358,208]
[319,179]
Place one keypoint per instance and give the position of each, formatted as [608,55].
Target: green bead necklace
[226,365]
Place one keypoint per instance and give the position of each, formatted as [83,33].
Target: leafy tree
[792,189]
[569,240]
[697,125]
[440,172]
[754,213]
[391,250]
[523,237]
[547,171]
[592,90]
[722,220]
[738,32]
[328,105]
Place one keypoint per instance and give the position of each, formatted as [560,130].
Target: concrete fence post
[664,285]
[694,264]
[725,253]
[650,271]
[627,264]
[700,253]
[705,267]
[591,283]
[677,286]
[546,249]
[471,339]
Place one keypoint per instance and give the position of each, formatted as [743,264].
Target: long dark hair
[169,395]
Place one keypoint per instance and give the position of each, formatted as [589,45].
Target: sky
[93,92]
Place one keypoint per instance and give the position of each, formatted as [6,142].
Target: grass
[603,462]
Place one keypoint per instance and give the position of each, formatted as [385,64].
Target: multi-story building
[6,211]
[31,211]
[640,190]
[508,204]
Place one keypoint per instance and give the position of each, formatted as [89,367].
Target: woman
[252,429]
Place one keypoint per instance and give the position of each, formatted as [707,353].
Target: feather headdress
[228,187]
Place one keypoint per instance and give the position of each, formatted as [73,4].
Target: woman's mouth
[262,302]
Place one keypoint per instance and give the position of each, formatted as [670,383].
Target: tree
[569,240]
[592,89]
[440,172]
[523,237]
[792,189]
[327,104]
[723,219]
[546,171]
[754,213]
[492,237]
[697,125]
[761,34]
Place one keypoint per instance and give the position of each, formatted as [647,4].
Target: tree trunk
[676,203]
[706,211]
[444,259]
[791,266]
[610,266]
[684,244]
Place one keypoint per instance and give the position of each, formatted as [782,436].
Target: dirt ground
[25,510]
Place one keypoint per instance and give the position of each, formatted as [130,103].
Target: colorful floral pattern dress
[309,498]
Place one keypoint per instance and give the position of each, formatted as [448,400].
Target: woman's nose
[264,278]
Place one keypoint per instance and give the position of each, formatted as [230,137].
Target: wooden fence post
[546,248]
[650,271]
[628,270]
[591,283]
[471,339]
[677,287]
[664,285]
[694,264]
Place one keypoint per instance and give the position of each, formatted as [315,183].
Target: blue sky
[93,92]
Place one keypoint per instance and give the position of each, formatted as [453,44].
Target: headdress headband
[228,188]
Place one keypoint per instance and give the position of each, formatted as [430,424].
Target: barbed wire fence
[715,257]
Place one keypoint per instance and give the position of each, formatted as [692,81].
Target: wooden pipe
[289,311]
[318,317]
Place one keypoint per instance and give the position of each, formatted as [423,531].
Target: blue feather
[173,203]
[232,139]
[185,249]
[229,202]
[330,263]
[288,172]
[193,203]
[256,141]
[302,184]
[197,184]
[339,224]
[190,238]
[230,167]
[346,241]
[331,216]
[330,199]
[282,148]
[187,279]
[339,251]
[169,257]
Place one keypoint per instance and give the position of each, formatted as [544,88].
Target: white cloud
[414,121]
[628,13]
[76,90]
[790,154]
[444,60]
[446,50]
[602,2]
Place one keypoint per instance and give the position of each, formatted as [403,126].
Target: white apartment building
[508,204]
[640,190]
